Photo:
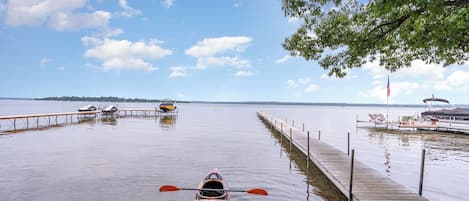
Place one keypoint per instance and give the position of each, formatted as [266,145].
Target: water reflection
[109,120]
[168,121]
[317,185]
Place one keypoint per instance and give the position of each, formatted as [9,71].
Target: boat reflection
[168,121]
[109,120]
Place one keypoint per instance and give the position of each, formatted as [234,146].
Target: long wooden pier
[15,123]
[367,183]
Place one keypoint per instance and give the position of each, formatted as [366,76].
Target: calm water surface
[129,158]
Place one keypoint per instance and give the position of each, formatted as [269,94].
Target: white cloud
[349,76]
[283,59]
[58,14]
[128,11]
[178,71]
[291,83]
[243,73]
[168,3]
[61,68]
[124,54]
[208,51]
[311,88]
[457,80]
[45,61]
[74,22]
[379,90]
[107,33]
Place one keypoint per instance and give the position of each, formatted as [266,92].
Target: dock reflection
[315,179]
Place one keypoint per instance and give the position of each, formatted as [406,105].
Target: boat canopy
[435,100]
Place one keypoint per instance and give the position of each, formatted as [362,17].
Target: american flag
[389,88]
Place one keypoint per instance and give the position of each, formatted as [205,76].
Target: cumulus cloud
[208,52]
[457,80]
[243,73]
[311,88]
[305,83]
[58,14]
[379,90]
[124,54]
[283,59]
[291,83]
[168,3]
[128,11]
[178,71]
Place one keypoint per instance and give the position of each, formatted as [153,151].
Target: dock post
[291,140]
[293,123]
[37,122]
[319,135]
[422,168]
[14,124]
[56,120]
[304,127]
[307,156]
[49,119]
[27,122]
[348,143]
[281,127]
[350,195]
[275,124]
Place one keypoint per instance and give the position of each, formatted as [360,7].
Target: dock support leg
[303,127]
[422,168]
[27,123]
[49,120]
[293,123]
[350,195]
[14,124]
[291,139]
[319,135]
[307,156]
[37,122]
[56,120]
[348,143]
[281,127]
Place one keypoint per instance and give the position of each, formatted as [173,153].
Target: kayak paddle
[256,191]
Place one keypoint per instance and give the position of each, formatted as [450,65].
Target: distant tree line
[101,99]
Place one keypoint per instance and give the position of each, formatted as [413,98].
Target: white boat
[110,109]
[87,108]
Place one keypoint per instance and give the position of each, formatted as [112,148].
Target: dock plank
[368,184]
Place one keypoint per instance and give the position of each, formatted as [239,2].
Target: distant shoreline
[140,100]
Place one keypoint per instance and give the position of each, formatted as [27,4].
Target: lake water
[129,158]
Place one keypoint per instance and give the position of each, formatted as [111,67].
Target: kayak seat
[212,185]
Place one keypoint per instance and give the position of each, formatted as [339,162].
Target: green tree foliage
[345,34]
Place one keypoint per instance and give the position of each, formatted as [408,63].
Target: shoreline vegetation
[143,100]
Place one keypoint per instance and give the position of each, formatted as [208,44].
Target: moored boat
[212,188]
[87,108]
[110,109]
[448,113]
[167,106]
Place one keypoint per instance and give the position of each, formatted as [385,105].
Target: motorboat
[448,112]
[168,106]
[87,108]
[110,109]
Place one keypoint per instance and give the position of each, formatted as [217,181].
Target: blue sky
[208,50]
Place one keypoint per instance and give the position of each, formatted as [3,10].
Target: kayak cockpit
[212,188]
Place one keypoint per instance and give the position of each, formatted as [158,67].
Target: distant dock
[16,123]
[354,179]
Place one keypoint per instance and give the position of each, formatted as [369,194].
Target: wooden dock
[368,184]
[15,123]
